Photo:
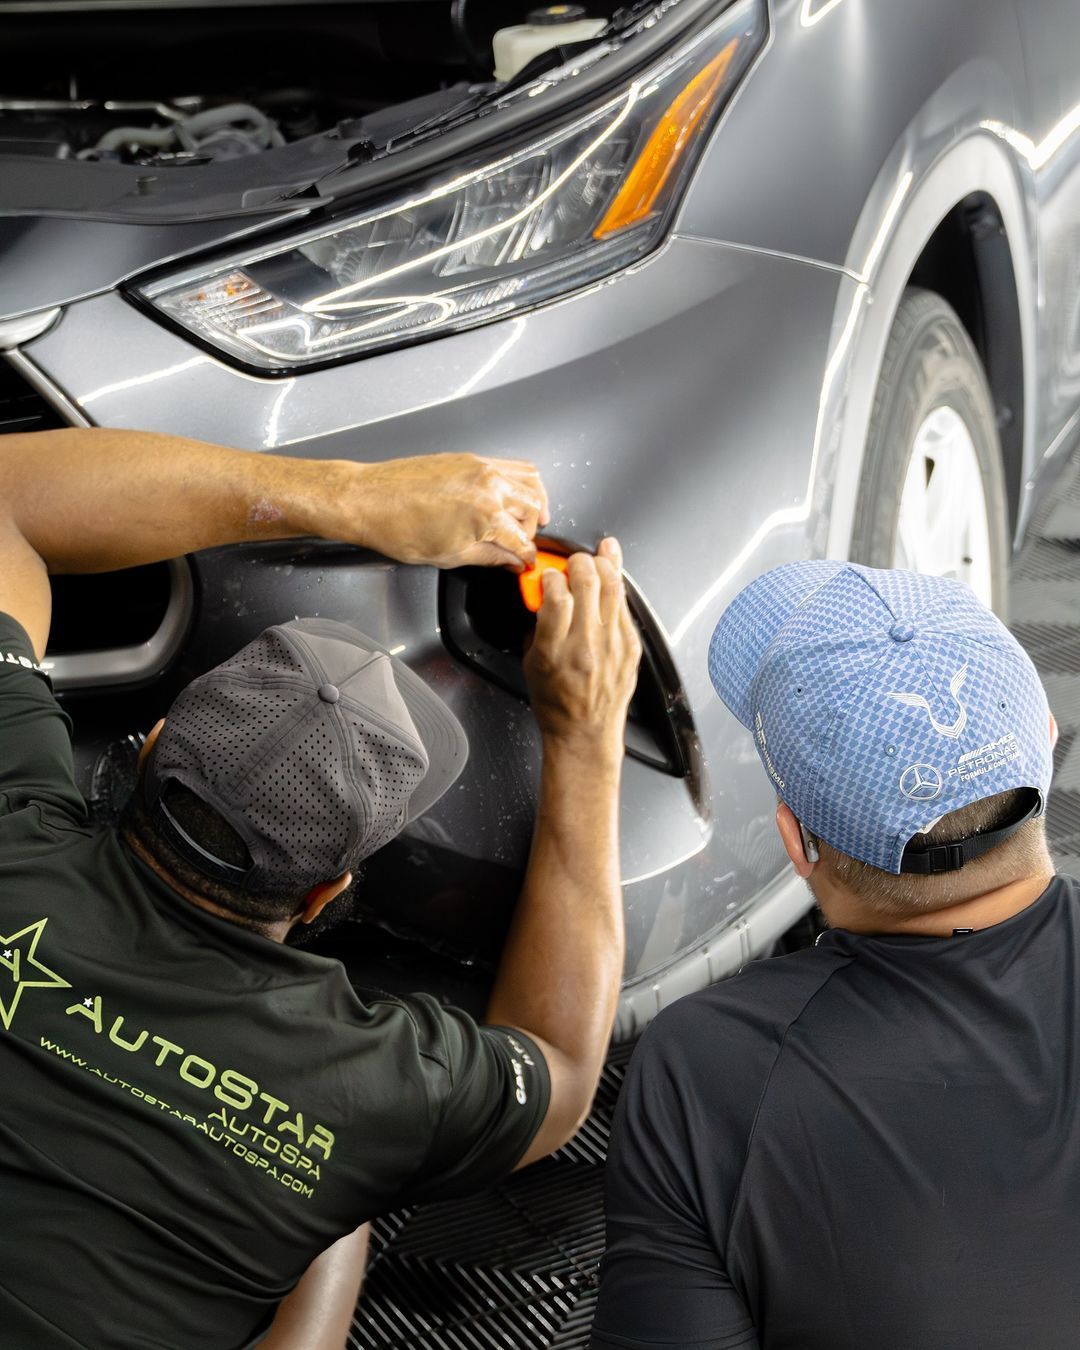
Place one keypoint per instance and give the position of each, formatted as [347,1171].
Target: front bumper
[675,405]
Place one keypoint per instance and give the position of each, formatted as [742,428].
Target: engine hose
[215,119]
[241,116]
[158,137]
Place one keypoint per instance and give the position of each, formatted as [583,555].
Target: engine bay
[161,85]
[190,129]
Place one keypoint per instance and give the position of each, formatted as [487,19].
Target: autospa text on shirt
[278,1134]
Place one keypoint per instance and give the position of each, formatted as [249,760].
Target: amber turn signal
[643,189]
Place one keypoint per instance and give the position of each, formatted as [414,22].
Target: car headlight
[557,214]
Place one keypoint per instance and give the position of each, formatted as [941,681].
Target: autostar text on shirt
[229,1086]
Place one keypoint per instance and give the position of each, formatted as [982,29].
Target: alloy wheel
[943,528]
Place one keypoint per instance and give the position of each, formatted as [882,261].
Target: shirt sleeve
[35,734]
[496,1096]
[663,1284]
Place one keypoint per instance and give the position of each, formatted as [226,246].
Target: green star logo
[18,957]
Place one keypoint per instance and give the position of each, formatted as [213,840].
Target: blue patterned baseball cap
[880,701]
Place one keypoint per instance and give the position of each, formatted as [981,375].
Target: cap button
[329,693]
[902,632]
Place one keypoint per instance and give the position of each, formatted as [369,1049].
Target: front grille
[21,406]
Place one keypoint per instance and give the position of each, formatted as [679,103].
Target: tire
[932,381]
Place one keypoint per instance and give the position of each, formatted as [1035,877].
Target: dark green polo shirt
[191,1113]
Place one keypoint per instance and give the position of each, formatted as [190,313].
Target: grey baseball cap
[315,744]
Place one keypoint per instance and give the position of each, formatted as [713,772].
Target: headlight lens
[581,203]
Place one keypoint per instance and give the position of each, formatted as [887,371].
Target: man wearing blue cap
[873,1143]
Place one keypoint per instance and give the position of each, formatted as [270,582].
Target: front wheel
[932,493]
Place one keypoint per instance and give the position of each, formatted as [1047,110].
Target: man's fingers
[527,498]
[507,533]
[510,465]
[611,591]
[505,541]
[611,549]
[631,637]
[525,478]
[585,588]
[556,611]
[520,503]
[524,509]
[486,555]
[543,507]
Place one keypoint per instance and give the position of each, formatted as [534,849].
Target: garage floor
[515,1267]
[512,1267]
[1045,613]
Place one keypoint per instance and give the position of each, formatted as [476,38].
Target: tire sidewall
[929,363]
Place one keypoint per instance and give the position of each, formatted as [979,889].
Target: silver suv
[751,282]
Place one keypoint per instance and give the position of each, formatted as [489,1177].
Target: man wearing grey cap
[193,1110]
[873,1143]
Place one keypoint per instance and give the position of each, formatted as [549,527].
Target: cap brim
[751,622]
[442,735]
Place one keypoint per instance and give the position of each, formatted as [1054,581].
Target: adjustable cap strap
[203,859]
[951,857]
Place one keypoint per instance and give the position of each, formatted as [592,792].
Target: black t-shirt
[191,1112]
[873,1145]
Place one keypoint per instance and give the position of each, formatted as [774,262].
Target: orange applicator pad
[530,581]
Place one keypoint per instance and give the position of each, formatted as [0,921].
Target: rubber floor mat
[1045,613]
[513,1267]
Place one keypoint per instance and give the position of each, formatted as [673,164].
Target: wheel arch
[968,262]
[973,200]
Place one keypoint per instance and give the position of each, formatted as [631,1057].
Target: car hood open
[82,227]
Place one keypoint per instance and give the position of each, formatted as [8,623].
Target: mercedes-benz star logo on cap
[921,782]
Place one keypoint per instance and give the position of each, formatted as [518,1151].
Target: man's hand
[94,500]
[582,666]
[444,510]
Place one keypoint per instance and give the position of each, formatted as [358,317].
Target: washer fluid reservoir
[549,27]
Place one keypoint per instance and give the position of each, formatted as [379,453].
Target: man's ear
[1053,732]
[320,896]
[791,834]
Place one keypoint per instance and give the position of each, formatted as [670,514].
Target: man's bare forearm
[94,500]
[559,973]
[91,500]
[318,1313]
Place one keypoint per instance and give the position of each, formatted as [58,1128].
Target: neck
[844,910]
[276,932]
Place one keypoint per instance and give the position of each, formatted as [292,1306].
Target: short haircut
[906,894]
[211,831]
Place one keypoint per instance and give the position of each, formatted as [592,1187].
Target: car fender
[907,204]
